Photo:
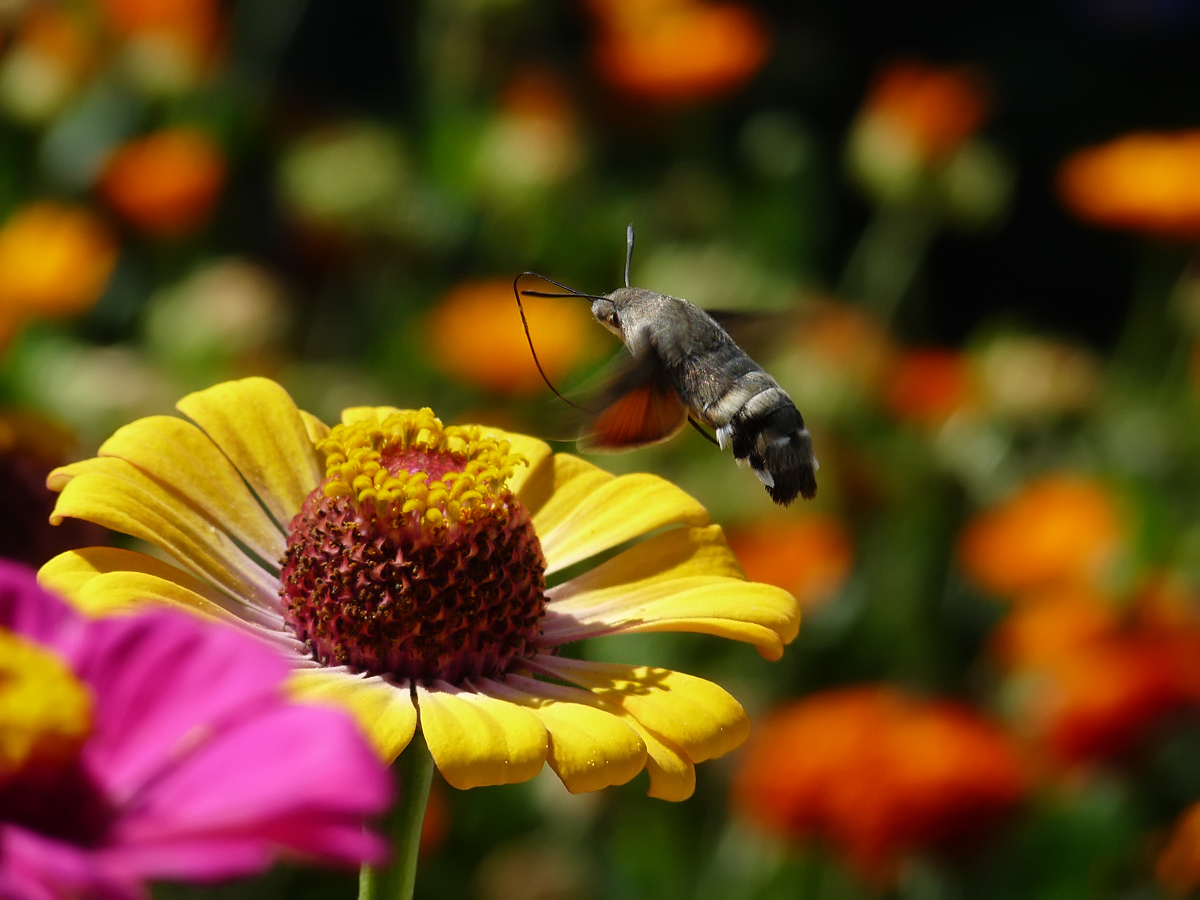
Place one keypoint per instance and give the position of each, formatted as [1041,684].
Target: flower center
[412,558]
[45,712]
[45,717]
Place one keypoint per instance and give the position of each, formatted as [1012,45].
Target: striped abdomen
[766,431]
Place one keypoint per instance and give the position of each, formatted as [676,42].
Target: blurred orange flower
[811,555]
[840,359]
[930,110]
[928,386]
[1086,685]
[1143,182]
[475,335]
[55,260]
[878,775]
[166,183]
[1178,865]
[678,50]
[1059,529]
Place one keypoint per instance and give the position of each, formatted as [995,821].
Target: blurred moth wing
[637,406]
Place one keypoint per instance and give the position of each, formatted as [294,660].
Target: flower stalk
[402,828]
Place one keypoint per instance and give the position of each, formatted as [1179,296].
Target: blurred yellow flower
[167,44]
[474,335]
[1142,182]
[1059,529]
[678,51]
[47,64]
[533,140]
[165,184]
[811,555]
[55,260]
[401,565]
[1028,377]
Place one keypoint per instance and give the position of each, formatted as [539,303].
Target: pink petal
[212,859]
[197,860]
[279,775]
[28,610]
[34,867]
[163,680]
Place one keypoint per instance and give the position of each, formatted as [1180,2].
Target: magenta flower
[158,746]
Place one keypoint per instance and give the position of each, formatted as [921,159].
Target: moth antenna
[529,338]
[628,252]
[566,287]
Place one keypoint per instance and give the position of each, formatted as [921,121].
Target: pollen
[412,558]
[45,712]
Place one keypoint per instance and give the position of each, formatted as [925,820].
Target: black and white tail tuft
[779,450]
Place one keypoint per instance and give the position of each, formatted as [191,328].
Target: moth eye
[612,319]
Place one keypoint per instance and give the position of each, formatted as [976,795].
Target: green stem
[402,826]
[888,256]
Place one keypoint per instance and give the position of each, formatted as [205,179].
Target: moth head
[605,311]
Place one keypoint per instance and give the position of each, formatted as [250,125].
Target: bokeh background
[966,233]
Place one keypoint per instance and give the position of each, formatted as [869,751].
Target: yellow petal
[259,428]
[115,494]
[646,566]
[693,714]
[358,413]
[476,740]
[121,592]
[580,510]
[316,429]
[672,774]
[590,749]
[68,572]
[534,451]
[760,614]
[384,711]
[179,455]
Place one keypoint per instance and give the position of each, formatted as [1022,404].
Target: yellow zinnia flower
[403,565]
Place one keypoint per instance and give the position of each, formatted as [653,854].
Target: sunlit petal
[475,739]
[672,774]
[117,495]
[256,424]
[580,510]
[696,715]
[590,748]
[685,579]
[176,453]
[317,430]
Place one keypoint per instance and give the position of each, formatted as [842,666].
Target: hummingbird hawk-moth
[683,366]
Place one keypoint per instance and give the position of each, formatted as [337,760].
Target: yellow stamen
[45,712]
[355,467]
